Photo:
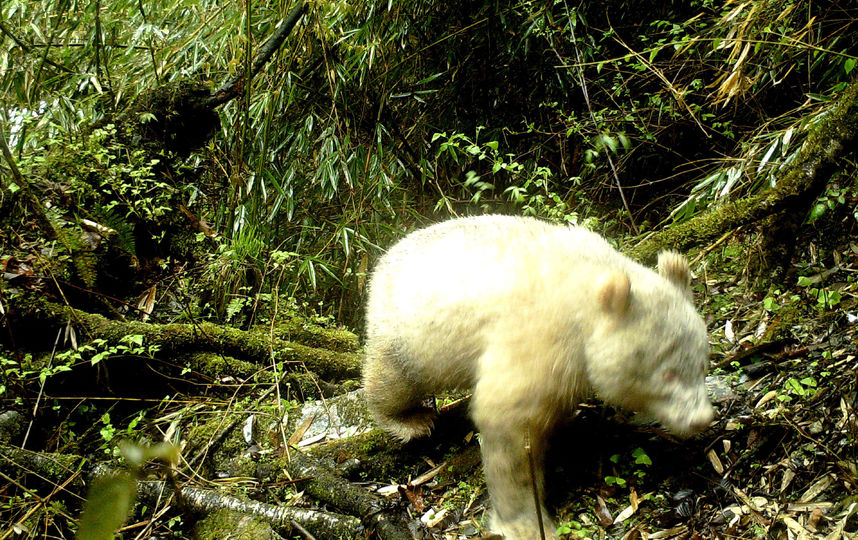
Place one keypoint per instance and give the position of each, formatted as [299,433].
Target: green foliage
[833,197]
[577,529]
[98,350]
[328,155]
[805,387]
[73,245]
[27,368]
[111,497]
[615,481]
[763,45]
[635,465]
[824,298]
[372,116]
[94,352]
[233,272]
[101,170]
[101,176]
[640,457]
[106,191]
[122,231]
[529,186]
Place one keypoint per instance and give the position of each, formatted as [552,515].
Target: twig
[28,49]
[658,73]
[302,530]
[34,203]
[194,460]
[595,123]
[529,451]
[41,390]
[233,87]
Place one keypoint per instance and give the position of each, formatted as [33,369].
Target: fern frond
[70,239]
[124,237]
[85,262]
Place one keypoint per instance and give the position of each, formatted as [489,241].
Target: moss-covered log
[65,469]
[54,467]
[325,485]
[320,524]
[204,336]
[294,328]
[798,187]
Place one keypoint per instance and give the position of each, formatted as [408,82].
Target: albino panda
[534,318]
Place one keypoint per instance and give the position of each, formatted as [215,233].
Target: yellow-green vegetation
[165,248]
[301,330]
[224,523]
[464,475]
[328,364]
[378,455]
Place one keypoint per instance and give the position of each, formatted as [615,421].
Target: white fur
[533,317]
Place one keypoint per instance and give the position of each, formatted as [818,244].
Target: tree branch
[800,183]
[36,207]
[234,87]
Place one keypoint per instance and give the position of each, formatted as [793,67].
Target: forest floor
[779,462]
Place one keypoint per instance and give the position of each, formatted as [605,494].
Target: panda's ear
[674,267]
[615,293]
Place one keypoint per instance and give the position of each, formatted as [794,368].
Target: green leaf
[833,298]
[849,65]
[492,144]
[107,507]
[641,458]
[99,357]
[818,211]
[795,386]
[615,480]
[430,78]
[132,339]
[809,381]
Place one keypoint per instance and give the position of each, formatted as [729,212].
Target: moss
[228,524]
[225,450]
[215,365]
[238,466]
[782,323]
[380,457]
[175,337]
[295,328]
[797,188]
[51,465]
[698,230]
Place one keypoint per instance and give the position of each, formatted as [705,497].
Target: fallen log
[176,338]
[800,183]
